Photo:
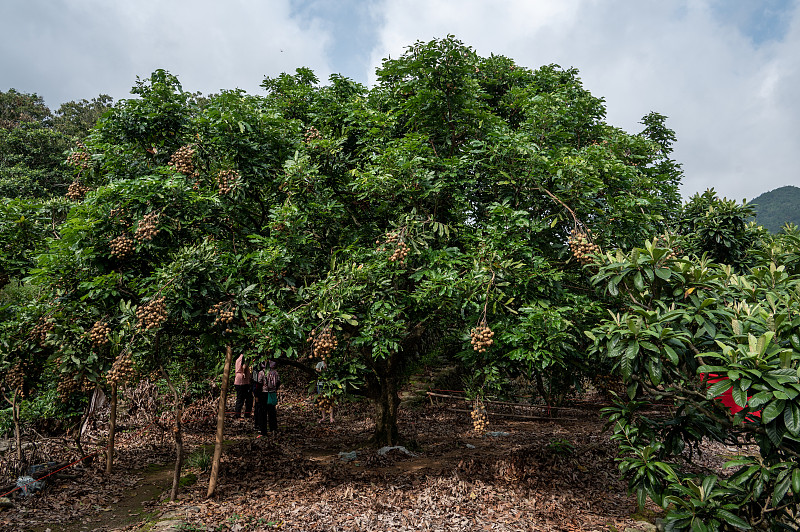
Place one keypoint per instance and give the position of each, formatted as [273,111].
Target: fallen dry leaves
[542,475]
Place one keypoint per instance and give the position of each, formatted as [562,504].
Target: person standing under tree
[241,381]
[271,384]
[260,410]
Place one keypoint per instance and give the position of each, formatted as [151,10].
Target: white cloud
[731,97]
[730,101]
[72,49]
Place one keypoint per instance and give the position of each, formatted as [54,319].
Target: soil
[548,474]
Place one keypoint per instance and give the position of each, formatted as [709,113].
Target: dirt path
[129,508]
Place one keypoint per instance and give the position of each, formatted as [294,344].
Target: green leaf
[671,354]
[760,399]
[781,488]
[796,480]
[718,388]
[632,350]
[733,520]
[772,410]
[775,433]
[654,370]
[739,395]
[664,273]
[791,418]
[638,282]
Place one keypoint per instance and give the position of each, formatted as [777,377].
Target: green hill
[776,207]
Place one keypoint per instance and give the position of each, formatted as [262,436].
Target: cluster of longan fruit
[152,314]
[41,330]
[482,337]
[15,378]
[77,190]
[79,159]
[146,229]
[181,160]
[480,419]
[98,334]
[121,246]
[312,134]
[325,403]
[224,315]
[581,245]
[322,344]
[118,212]
[67,385]
[122,368]
[226,180]
[400,247]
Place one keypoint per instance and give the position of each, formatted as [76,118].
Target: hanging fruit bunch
[122,368]
[581,245]
[79,158]
[121,215]
[393,240]
[181,160]
[311,135]
[98,334]
[224,315]
[77,191]
[227,181]
[41,330]
[324,403]
[67,385]
[480,419]
[15,378]
[322,344]
[482,337]
[152,314]
[147,230]
[122,246]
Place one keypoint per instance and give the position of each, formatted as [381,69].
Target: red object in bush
[727,396]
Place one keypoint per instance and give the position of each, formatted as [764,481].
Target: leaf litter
[543,475]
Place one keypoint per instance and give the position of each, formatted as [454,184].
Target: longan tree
[443,200]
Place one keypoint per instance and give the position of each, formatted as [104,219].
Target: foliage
[718,227]
[77,118]
[776,208]
[18,107]
[689,331]
[395,218]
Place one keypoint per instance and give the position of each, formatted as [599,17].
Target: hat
[271,364]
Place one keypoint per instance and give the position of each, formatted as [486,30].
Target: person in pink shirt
[241,381]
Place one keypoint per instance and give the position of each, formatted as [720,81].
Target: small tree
[689,331]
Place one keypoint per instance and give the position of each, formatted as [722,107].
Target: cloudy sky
[725,72]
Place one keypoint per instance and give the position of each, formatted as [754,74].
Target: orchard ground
[535,475]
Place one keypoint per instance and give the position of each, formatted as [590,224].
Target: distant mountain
[776,207]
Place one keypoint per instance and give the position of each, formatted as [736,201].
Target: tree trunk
[386,432]
[17,433]
[383,390]
[223,395]
[112,427]
[178,432]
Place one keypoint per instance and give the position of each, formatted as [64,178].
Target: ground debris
[539,476]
